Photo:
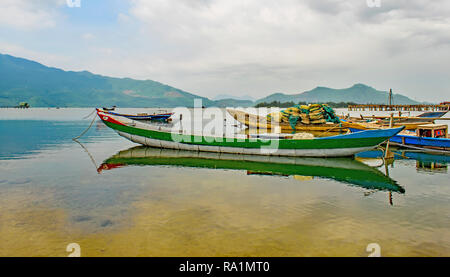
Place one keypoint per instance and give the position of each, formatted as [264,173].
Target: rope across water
[90,125]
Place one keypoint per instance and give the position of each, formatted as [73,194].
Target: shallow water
[114,199]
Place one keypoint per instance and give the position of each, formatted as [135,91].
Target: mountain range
[23,80]
[358,93]
[229,96]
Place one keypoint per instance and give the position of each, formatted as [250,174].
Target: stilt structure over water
[444,106]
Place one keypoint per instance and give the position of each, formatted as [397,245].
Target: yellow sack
[306,121]
[292,110]
[316,112]
[304,116]
[296,114]
[316,119]
[275,117]
[285,119]
[317,115]
[319,121]
[303,136]
[304,107]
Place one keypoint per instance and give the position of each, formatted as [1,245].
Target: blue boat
[427,137]
[157,117]
[438,143]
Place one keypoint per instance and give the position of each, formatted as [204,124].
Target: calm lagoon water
[114,198]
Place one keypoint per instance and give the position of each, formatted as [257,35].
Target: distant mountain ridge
[23,80]
[228,96]
[358,93]
[42,86]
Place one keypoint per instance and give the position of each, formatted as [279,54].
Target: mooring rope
[87,151]
[84,132]
[89,114]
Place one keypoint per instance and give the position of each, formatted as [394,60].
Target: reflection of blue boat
[425,162]
[160,116]
[399,155]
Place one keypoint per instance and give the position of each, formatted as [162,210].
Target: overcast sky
[242,47]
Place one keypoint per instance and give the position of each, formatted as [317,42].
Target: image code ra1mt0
[246,266]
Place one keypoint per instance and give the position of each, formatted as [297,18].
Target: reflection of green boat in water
[345,170]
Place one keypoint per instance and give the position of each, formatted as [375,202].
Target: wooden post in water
[390,99]
[389,155]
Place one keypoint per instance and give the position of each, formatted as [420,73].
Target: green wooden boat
[162,137]
[344,170]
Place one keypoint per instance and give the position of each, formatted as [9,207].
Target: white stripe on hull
[336,152]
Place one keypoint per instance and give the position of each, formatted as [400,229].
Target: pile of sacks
[306,114]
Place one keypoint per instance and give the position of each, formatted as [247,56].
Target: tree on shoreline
[291,104]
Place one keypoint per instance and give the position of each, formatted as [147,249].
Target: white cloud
[48,59]
[123,18]
[262,46]
[253,47]
[88,36]
[28,14]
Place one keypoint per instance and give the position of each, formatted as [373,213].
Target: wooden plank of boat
[437,114]
[404,118]
[410,122]
[373,125]
[345,170]
[261,122]
[424,116]
[160,136]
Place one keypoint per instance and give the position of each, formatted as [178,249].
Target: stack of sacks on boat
[306,114]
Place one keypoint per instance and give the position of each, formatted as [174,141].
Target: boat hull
[438,143]
[335,146]
[336,152]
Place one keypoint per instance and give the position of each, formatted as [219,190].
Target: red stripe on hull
[107,118]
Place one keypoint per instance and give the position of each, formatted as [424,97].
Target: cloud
[261,45]
[48,59]
[253,47]
[29,15]
[88,36]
